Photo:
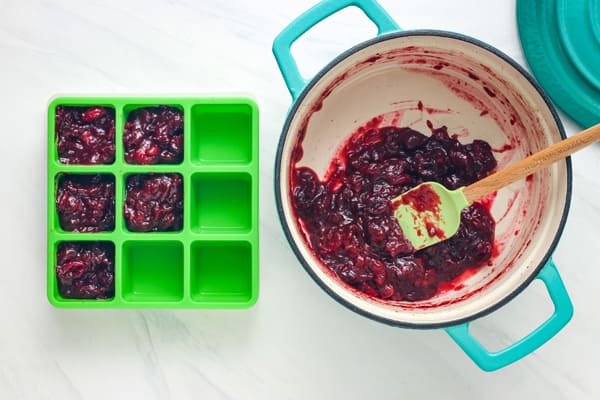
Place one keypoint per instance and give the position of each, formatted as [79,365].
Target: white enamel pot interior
[478,93]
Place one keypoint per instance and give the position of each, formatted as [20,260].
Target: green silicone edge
[187,236]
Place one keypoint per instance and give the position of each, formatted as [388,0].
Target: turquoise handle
[491,361]
[283,42]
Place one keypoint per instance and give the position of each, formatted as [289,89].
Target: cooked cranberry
[411,139]
[311,190]
[431,163]
[154,135]
[349,221]
[396,171]
[461,160]
[154,202]
[86,203]
[86,135]
[484,160]
[85,270]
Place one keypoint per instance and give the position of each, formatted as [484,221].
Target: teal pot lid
[561,42]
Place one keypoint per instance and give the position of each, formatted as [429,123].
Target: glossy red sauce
[347,216]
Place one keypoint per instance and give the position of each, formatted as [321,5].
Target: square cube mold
[221,202]
[221,270]
[213,261]
[222,132]
[129,108]
[85,178]
[152,271]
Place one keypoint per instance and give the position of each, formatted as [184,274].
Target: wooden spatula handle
[531,164]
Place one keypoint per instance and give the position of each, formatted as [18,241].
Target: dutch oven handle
[491,361]
[283,42]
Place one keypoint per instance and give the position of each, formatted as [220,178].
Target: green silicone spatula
[430,213]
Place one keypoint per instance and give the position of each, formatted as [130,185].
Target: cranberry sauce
[86,203]
[154,135]
[86,270]
[154,202]
[348,216]
[85,135]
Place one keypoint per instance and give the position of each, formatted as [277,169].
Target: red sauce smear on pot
[347,217]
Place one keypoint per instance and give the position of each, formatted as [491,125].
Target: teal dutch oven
[476,91]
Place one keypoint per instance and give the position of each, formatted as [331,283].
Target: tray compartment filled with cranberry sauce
[152,202]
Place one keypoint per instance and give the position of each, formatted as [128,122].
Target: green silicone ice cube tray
[213,261]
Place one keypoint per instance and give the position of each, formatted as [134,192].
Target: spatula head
[429,213]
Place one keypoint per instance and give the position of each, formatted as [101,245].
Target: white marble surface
[296,343]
